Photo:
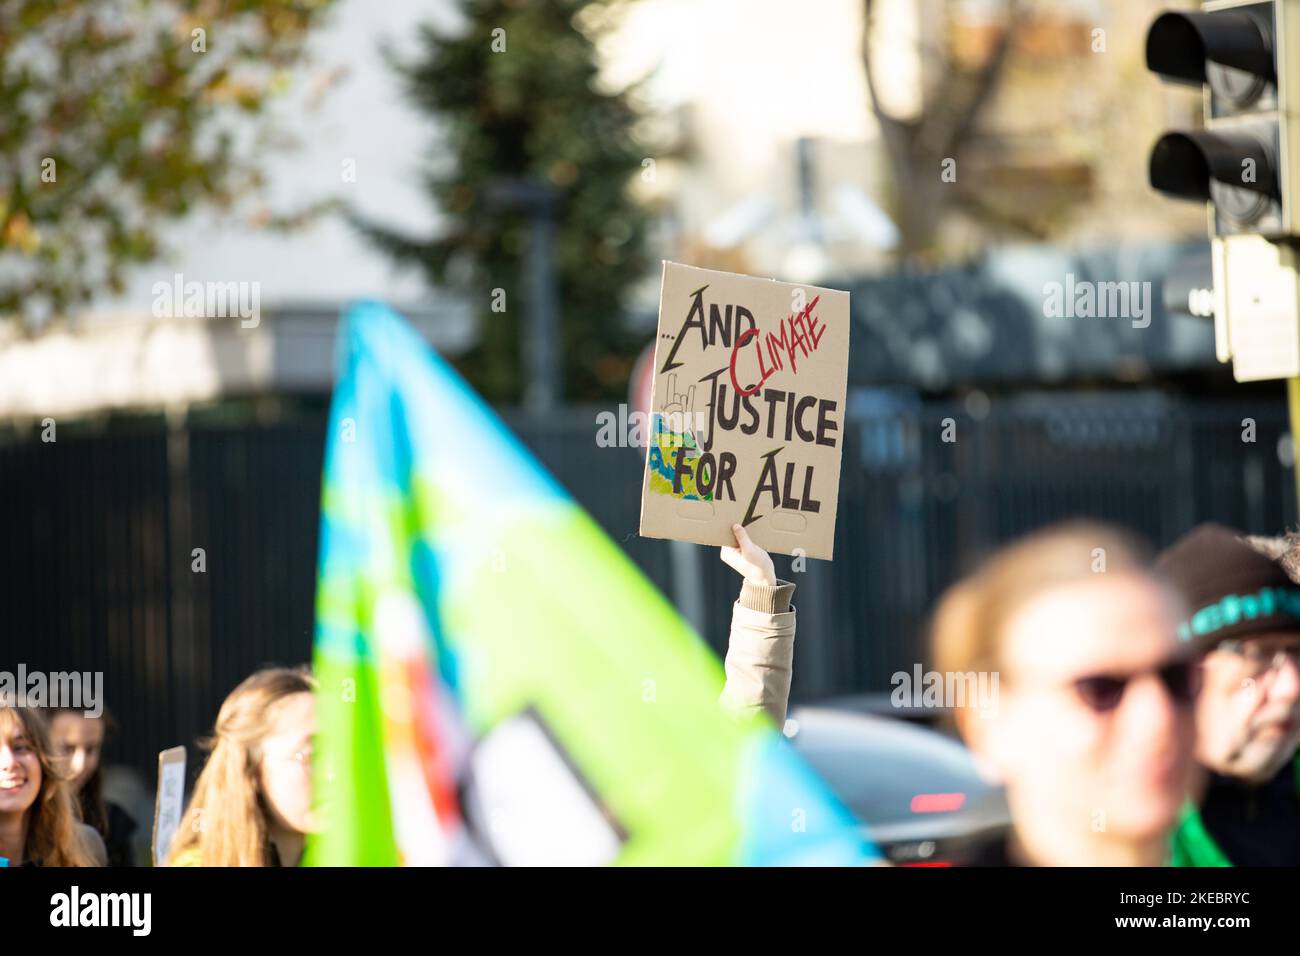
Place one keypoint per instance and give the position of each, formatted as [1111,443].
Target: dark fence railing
[99,530]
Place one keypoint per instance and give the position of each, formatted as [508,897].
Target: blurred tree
[114,118]
[917,145]
[514,96]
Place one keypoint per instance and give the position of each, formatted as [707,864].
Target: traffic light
[1235,161]
[1244,164]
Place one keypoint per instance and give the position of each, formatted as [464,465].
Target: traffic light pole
[1293,405]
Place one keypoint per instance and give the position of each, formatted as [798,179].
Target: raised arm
[760,650]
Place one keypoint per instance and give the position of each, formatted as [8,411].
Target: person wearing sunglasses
[1245,618]
[1091,731]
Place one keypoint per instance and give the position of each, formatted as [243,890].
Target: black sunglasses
[1103,692]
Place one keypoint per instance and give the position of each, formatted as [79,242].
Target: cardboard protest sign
[746,410]
[170,801]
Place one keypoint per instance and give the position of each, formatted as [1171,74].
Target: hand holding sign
[752,562]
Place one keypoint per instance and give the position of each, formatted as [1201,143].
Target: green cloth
[1192,843]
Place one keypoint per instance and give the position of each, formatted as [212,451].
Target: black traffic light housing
[1212,165]
[1237,162]
[1243,163]
[1232,49]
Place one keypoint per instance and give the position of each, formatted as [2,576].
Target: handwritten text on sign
[770,362]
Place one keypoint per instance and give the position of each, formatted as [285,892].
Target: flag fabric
[498,683]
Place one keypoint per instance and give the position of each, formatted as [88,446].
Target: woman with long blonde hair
[39,823]
[252,803]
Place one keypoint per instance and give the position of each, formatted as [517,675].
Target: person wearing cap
[1244,618]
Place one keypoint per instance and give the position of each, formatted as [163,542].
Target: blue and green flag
[498,682]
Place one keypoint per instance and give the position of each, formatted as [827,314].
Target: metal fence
[99,530]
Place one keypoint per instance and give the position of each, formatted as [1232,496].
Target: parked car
[915,790]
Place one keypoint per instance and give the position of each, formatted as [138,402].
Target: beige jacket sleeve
[760,651]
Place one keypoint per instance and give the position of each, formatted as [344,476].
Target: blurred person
[39,824]
[1245,618]
[79,741]
[252,802]
[1092,729]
